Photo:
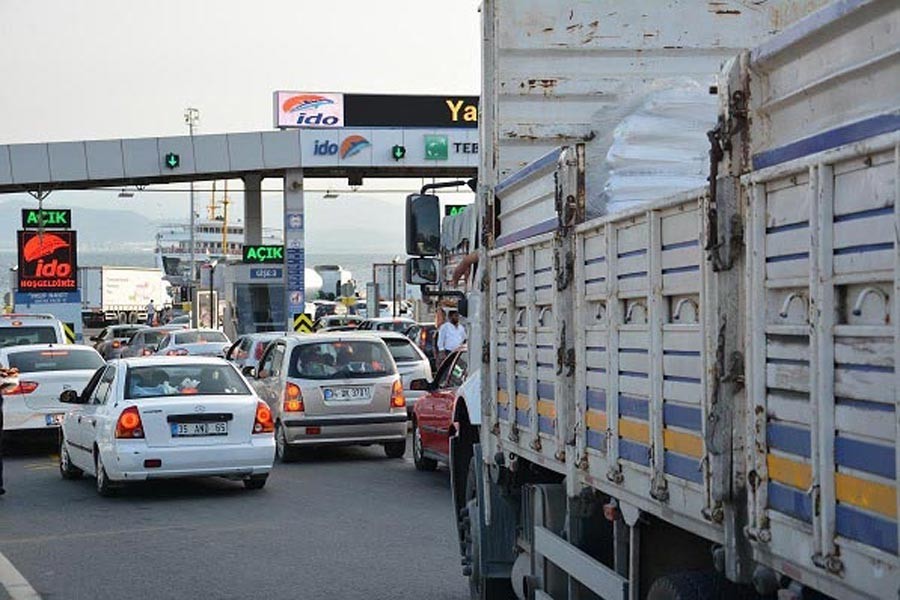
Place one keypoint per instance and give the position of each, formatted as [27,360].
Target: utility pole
[191,118]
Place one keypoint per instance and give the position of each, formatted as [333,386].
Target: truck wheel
[421,461]
[698,585]
[480,588]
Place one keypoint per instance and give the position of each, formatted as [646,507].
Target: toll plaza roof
[340,152]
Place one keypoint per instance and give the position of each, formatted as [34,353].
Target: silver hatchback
[332,389]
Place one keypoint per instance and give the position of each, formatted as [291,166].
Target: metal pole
[394,288]
[191,116]
[212,274]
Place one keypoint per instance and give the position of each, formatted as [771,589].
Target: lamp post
[191,118]
[213,317]
[394,262]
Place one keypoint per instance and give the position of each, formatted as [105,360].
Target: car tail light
[129,425]
[23,387]
[177,352]
[260,349]
[263,422]
[313,430]
[397,399]
[116,344]
[146,352]
[293,398]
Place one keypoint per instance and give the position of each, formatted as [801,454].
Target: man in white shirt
[151,313]
[451,336]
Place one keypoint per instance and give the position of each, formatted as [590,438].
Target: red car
[433,413]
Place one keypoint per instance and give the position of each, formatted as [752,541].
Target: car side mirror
[70,397]
[419,385]
[94,338]
[423,225]
[249,371]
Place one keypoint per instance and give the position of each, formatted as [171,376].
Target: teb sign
[34,218]
[47,261]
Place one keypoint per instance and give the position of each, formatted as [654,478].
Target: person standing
[7,380]
[451,336]
[151,313]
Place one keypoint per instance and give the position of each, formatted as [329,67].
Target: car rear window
[340,360]
[398,326]
[125,333]
[403,350]
[183,380]
[23,335]
[200,337]
[151,338]
[35,361]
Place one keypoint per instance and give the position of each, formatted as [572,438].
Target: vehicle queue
[171,402]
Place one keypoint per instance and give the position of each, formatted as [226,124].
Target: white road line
[16,585]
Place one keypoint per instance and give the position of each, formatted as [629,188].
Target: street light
[213,320]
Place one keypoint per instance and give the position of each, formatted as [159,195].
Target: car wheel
[395,449]
[283,451]
[104,486]
[66,468]
[256,482]
[422,462]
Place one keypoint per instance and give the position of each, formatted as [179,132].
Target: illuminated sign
[314,110]
[33,218]
[454,209]
[47,261]
[436,147]
[310,110]
[172,160]
[263,254]
[398,151]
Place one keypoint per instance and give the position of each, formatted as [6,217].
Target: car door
[80,423]
[266,382]
[427,411]
[444,404]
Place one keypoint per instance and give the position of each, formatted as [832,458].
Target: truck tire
[480,588]
[698,585]
[422,462]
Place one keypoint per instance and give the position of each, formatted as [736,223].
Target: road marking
[15,583]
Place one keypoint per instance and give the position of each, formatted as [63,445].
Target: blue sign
[29,298]
[264,273]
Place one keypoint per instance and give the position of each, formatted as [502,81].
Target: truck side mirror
[423,225]
[422,271]
[462,307]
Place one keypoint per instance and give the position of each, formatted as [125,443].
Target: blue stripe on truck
[866,528]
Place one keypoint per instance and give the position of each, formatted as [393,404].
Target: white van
[20,329]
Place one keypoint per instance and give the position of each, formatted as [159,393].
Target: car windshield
[183,380]
[21,336]
[340,360]
[402,350]
[200,337]
[34,361]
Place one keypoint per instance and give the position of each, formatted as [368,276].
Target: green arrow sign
[398,152]
[172,160]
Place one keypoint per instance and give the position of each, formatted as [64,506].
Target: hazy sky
[93,69]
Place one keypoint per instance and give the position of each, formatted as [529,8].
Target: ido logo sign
[309,110]
[48,261]
[351,146]
[264,254]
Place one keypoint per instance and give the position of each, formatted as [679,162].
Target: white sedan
[162,417]
[45,370]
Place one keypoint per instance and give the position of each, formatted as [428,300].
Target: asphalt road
[340,524]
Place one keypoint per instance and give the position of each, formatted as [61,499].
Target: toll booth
[253,298]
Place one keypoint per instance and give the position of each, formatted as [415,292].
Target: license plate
[53,419]
[195,429]
[348,393]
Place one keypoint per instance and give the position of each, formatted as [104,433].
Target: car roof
[197,330]
[33,347]
[164,361]
[333,336]
[7,319]
[261,335]
[389,319]
[394,335]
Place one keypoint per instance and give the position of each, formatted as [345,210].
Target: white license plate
[53,420]
[194,429]
[348,393]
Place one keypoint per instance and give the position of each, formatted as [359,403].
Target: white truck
[120,294]
[689,394]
